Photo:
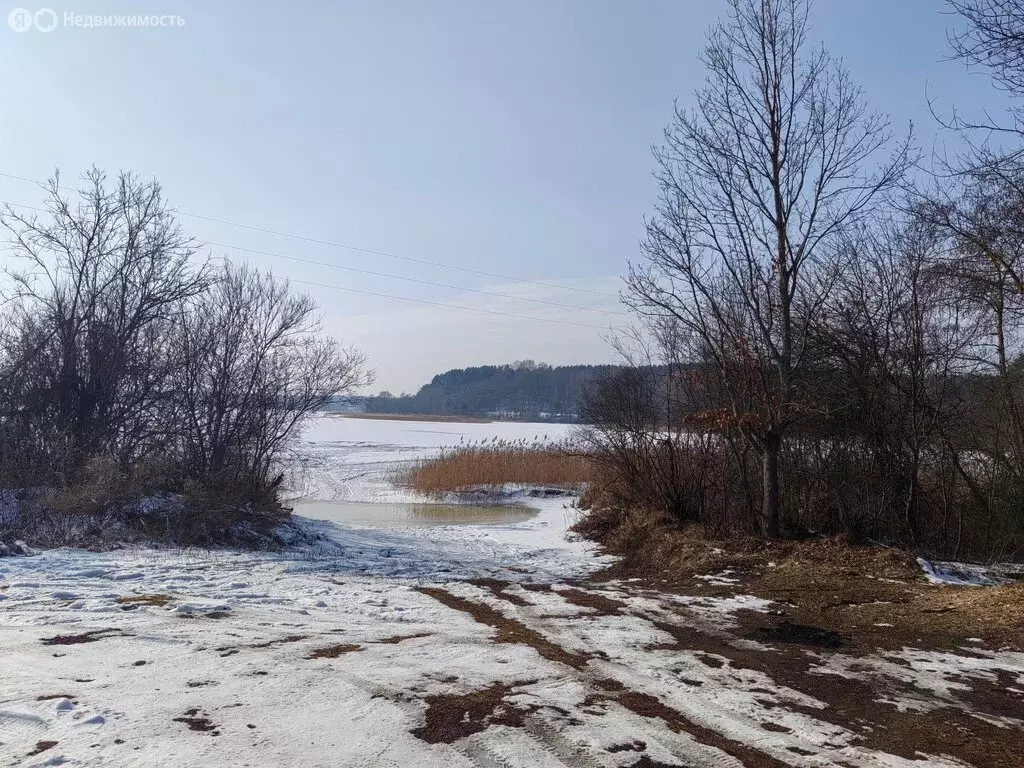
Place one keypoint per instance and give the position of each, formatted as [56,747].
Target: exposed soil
[648,706]
[91,636]
[197,720]
[400,638]
[508,630]
[41,746]
[157,599]
[873,597]
[228,650]
[635,746]
[791,659]
[334,651]
[453,717]
[511,631]
[499,588]
[799,634]
[600,604]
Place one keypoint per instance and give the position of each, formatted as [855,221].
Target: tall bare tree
[100,275]
[780,155]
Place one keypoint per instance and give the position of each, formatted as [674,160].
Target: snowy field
[427,646]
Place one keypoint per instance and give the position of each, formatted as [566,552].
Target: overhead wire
[388,295]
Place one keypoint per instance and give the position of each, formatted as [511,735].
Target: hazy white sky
[506,137]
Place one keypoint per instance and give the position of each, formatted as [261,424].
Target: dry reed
[496,462]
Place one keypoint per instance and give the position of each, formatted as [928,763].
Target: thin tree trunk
[772,495]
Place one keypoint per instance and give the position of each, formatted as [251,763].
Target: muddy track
[859,711]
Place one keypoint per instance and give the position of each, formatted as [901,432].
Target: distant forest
[523,391]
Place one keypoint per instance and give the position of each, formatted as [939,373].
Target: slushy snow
[331,655]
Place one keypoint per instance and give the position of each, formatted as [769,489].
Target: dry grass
[877,596]
[471,466]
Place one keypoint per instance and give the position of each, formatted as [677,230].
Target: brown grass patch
[826,583]
[603,606]
[469,467]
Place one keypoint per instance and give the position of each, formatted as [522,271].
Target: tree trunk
[771,513]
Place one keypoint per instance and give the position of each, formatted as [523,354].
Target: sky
[492,147]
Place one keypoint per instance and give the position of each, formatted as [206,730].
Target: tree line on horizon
[523,391]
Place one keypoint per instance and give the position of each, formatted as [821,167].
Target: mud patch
[648,706]
[41,746]
[228,650]
[646,762]
[91,636]
[600,604]
[156,599]
[334,651]
[500,589]
[452,717]
[399,638]
[197,720]
[635,746]
[279,641]
[791,633]
[508,630]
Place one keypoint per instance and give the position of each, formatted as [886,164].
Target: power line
[335,244]
[393,296]
[450,306]
[434,303]
[413,279]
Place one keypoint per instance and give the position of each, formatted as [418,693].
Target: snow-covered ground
[357,459]
[374,650]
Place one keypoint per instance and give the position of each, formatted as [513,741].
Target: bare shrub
[143,388]
[251,365]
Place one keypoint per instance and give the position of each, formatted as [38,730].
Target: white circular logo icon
[20,19]
[45,19]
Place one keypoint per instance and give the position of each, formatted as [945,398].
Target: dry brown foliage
[876,595]
[471,466]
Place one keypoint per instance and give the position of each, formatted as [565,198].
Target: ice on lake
[374,515]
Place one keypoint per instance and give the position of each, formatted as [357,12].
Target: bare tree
[993,39]
[251,366]
[780,155]
[103,272]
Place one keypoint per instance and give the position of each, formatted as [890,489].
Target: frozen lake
[400,515]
